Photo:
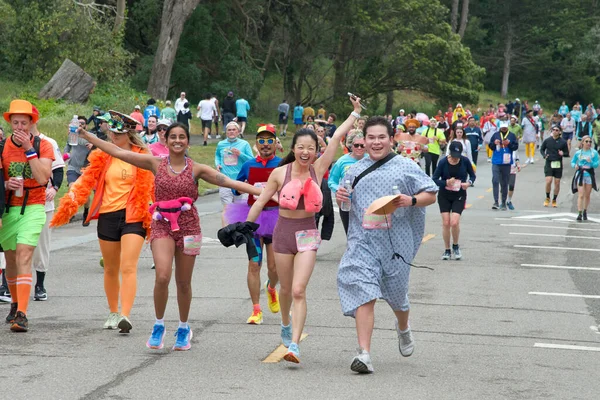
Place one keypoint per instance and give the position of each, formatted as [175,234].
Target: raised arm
[140,160]
[323,163]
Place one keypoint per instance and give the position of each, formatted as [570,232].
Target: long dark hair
[299,133]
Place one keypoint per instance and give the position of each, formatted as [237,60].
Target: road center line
[526,246]
[489,190]
[468,205]
[552,235]
[565,347]
[559,267]
[583,296]
[551,227]
[279,352]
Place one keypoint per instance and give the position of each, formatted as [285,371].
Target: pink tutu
[238,212]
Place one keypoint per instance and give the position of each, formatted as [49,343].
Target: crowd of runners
[132,173]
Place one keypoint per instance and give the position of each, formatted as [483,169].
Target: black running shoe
[579,217]
[20,324]
[585,215]
[4,295]
[40,294]
[12,314]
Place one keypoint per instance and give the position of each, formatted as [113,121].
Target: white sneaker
[527,161]
[210,137]
[112,321]
[362,362]
[533,162]
[218,137]
[406,343]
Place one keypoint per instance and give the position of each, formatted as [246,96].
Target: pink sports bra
[295,195]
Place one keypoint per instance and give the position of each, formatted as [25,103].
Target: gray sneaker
[406,343]
[112,321]
[124,325]
[457,253]
[362,362]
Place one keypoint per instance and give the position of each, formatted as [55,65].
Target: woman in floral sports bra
[295,238]
[176,233]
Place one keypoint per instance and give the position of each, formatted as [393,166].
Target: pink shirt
[159,150]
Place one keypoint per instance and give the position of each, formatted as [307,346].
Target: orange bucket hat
[21,107]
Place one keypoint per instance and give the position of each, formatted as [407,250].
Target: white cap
[137,108]
[164,122]
[401,110]
[517,99]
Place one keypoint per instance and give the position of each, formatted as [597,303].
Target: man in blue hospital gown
[380,247]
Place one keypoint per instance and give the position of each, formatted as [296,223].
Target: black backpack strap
[373,167]
[36,147]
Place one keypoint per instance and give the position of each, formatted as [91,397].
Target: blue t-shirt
[242,106]
[150,111]
[230,164]
[298,111]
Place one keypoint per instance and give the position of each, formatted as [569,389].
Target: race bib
[431,140]
[229,158]
[455,187]
[375,221]
[261,185]
[308,240]
[192,245]
[506,158]
[555,164]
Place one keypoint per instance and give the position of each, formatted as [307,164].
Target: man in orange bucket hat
[27,167]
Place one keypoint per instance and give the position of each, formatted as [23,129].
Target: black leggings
[431,161]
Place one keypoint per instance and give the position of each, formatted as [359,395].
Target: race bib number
[308,240]
[555,164]
[506,158]
[455,187]
[260,185]
[431,140]
[192,245]
[374,221]
[229,158]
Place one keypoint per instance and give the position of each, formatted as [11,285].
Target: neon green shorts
[22,229]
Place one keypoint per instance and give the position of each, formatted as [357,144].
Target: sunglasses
[118,125]
[162,128]
[358,146]
[265,141]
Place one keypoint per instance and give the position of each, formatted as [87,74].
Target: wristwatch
[414,200]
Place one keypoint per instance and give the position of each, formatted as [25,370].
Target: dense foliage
[320,49]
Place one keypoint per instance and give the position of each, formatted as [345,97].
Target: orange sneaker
[546,202]
[554,205]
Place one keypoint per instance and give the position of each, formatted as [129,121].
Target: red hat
[267,128]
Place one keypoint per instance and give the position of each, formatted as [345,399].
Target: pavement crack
[101,391]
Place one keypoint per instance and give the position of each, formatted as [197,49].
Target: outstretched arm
[210,175]
[323,163]
[140,160]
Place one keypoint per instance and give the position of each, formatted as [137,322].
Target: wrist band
[31,156]
[355,114]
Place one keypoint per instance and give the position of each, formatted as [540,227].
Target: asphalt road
[506,322]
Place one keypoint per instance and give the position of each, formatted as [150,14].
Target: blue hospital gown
[367,270]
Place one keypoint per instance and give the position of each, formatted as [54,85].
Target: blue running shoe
[184,339]
[157,338]
[293,354]
[286,334]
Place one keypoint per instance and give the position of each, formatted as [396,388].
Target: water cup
[19,191]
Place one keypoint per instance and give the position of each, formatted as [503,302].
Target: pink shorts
[284,234]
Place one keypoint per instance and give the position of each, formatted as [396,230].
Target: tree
[120,15]
[464,15]
[174,15]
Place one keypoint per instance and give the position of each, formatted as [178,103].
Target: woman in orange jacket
[122,195]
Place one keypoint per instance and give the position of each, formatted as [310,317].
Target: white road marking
[559,267]
[552,227]
[584,296]
[565,347]
[539,216]
[552,235]
[526,246]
